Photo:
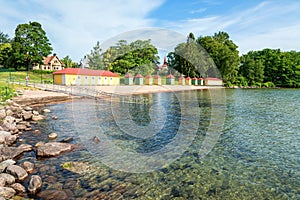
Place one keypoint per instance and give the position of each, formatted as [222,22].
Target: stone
[53,149]
[9,123]
[39,144]
[18,172]
[27,115]
[53,194]
[35,112]
[11,139]
[54,117]
[96,139]
[9,102]
[27,124]
[2,114]
[3,135]
[18,188]
[38,117]
[35,184]
[2,182]
[9,153]
[46,110]
[52,136]
[21,126]
[36,131]
[4,164]
[7,192]
[28,166]
[9,112]
[66,140]
[28,108]
[8,178]
[25,147]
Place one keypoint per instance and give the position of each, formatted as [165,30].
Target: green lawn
[15,77]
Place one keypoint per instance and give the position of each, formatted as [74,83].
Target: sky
[73,27]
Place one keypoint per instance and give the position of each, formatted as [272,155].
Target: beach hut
[200,81]
[78,76]
[194,81]
[188,81]
[149,80]
[139,79]
[170,79]
[157,80]
[209,81]
[181,80]
[128,79]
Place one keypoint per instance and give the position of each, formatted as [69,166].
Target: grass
[20,76]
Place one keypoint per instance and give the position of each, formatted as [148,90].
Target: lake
[183,145]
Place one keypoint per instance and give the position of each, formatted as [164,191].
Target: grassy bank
[20,76]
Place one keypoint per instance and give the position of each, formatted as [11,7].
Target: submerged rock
[7,192]
[53,149]
[53,194]
[52,136]
[28,166]
[35,184]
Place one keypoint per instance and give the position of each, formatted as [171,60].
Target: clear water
[257,155]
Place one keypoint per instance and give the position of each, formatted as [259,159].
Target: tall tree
[224,53]
[95,60]
[30,45]
[4,38]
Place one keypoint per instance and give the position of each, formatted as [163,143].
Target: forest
[203,56]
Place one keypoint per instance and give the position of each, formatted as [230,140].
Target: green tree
[30,45]
[5,54]
[95,60]
[224,53]
[4,38]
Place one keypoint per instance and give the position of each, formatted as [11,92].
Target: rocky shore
[17,119]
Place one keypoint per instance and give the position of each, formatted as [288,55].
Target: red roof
[188,78]
[139,76]
[148,76]
[88,72]
[194,78]
[180,78]
[128,76]
[211,78]
[157,76]
[170,76]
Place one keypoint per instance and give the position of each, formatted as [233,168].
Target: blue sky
[74,26]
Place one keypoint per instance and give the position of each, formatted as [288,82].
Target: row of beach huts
[78,76]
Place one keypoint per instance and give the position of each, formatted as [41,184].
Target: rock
[25,147]
[28,166]
[2,182]
[9,102]
[9,123]
[9,153]
[27,124]
[53,149]
[46,110]
[9,179]
[9,112]
[96,139]
[78,167]
[18,188]
[36,131]
[35,112]
[3,135]
[39,144]
[52,136]
[38,117]
[54,117]
[9,140]
[35,184]
[28,108]
[21,126]
[2,114]
[4,164]
[28,129]
[7,192]
[27,115]
[66,140]
[53,194]
[18,172]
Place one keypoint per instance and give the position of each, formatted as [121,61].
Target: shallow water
[152,151]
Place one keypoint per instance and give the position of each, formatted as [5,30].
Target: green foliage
[6,92]
[4,38]
[68,63]
[5,54]
[224,53]
[95,58]
[191,59]
[37,71]
[29,45]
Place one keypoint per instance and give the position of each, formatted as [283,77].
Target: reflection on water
[257,156]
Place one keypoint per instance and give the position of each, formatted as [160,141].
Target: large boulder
[9,153]
[25,147]
[53,149]
[7,192]
[9,123]
[4,164]
[35,184]
[38,117]
[18,172]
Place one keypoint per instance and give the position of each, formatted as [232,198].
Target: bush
[6,92]
[269,84]
[36,71]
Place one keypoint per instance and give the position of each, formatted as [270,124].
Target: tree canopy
[30,45]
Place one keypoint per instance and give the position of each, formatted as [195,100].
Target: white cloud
[74,26]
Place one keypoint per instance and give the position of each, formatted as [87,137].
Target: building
[50,63]
[77,76]
[209,81]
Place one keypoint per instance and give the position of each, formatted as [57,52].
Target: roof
[211,78]
[88,72]
[170,76]
[139,76]
[128,76]
[48,59]
[148,76]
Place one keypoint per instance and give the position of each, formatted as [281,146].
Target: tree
[190,59]
[30,45]
[4,38]
[95,60]
[5,54]
[224,53]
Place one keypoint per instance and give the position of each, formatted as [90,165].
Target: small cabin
[209,81]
